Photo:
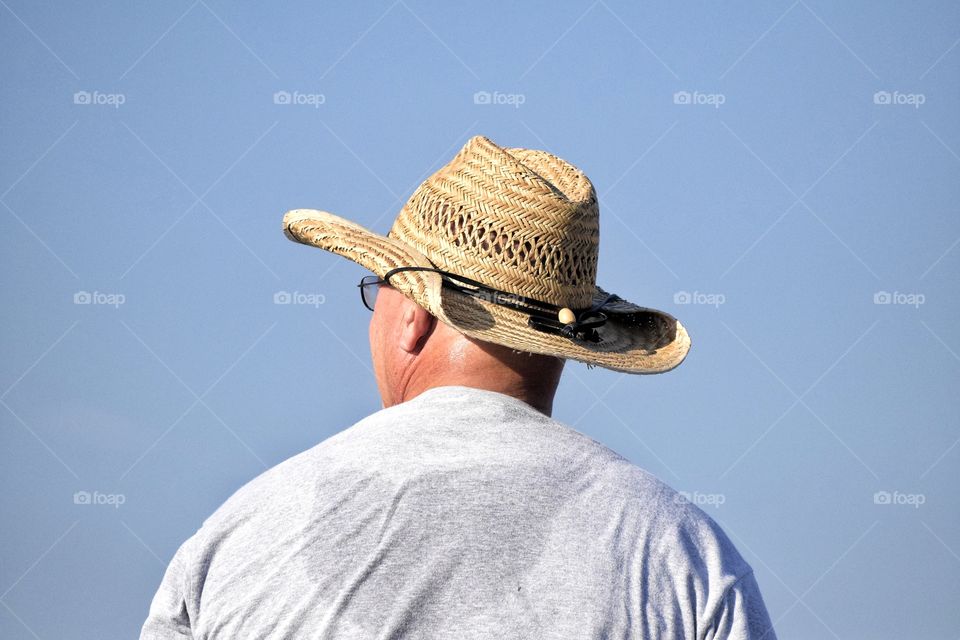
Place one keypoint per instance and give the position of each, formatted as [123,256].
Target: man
[462,510]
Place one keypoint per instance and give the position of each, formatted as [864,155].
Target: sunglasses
[369,286]
[580,327]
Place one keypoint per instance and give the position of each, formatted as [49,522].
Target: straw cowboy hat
[501,244]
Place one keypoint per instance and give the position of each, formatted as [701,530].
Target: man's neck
[533,394]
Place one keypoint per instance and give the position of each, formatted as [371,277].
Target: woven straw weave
[519,220]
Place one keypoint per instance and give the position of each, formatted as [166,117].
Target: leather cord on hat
[582,329]
[544,316]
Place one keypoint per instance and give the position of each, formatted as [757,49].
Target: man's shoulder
[293,479]
[669,527]
[664,522]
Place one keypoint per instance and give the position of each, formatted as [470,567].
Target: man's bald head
[412,351]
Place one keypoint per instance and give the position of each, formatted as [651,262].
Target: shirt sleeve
[741,615]
[168,618]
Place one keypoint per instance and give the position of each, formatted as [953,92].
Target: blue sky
[780,176]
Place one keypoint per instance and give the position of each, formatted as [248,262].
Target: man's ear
[415,326]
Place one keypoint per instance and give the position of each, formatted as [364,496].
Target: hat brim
[656,345]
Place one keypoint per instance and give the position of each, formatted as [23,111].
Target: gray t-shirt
[462,513]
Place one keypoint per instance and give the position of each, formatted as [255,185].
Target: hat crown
[519,220]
